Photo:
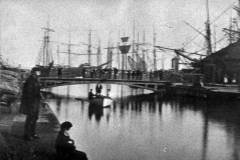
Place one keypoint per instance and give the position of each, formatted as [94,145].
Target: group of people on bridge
[114,73]
[106,73]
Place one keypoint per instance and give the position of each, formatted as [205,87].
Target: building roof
[231,51]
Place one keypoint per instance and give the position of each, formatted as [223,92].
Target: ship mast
[154,50]
[58,57]
[69,49]
[109,53]
[118,51]
[133,42]
[238,20]
[238,12]
[89,46]
[208,31]
[144,50]
[99,52]
[137,50]
[230,33]
[45,56]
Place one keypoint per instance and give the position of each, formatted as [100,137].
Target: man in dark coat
[65,147]
[30,104]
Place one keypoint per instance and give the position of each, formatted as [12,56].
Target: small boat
[107,102]
[101,101]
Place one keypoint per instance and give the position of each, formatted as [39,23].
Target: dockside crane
[180,52]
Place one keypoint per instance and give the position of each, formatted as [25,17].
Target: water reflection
[223,114]
[154,127]
[95,111]
[138,102]
[58,104]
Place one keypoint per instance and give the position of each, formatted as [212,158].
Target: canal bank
[14,147]
[208,92]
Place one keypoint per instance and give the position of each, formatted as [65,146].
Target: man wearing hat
[30,104]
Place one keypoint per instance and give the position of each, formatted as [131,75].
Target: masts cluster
[135,55]
[139,55]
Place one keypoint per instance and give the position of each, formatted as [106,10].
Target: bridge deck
[143,84]
[132,81]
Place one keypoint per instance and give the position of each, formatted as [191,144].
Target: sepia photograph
[119,79]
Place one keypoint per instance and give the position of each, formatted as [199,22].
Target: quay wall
[13,146]
[207,92]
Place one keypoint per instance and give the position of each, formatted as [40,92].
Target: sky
[21,22]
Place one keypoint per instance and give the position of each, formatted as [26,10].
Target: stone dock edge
[14,147]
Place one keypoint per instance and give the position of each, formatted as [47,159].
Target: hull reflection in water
[148,127]
[101,102]
[96,106]
[94,109]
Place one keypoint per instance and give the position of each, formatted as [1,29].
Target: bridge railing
[119,76]
[107,74]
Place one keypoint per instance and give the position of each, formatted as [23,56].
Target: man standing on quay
[30,104]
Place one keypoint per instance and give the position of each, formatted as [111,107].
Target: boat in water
[101,101]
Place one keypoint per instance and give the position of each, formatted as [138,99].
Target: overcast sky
[21,22]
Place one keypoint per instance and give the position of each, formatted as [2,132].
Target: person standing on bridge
[59,72]
[115,72]
[128,74]
[30,104]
